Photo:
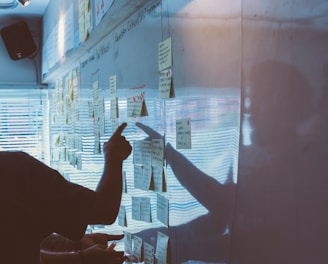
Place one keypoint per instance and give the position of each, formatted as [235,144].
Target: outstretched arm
[59,243]
[109,189]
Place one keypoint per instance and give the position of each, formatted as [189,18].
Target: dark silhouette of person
[36,201]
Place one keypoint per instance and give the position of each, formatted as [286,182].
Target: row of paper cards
[141,210]
[145,153]
[139,251]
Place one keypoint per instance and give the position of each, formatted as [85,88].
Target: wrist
[114,157]
[114,163]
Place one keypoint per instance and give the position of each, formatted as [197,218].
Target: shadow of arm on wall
[206,237]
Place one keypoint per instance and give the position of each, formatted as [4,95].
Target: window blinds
[24,124]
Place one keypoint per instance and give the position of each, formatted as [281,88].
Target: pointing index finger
[120,129]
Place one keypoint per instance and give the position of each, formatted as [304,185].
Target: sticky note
[158,178]
[161,248]
[137,247]
[130,106]
[165,86]
[145,209]
[138,176]
[122,216]
[114,108]
[146,178]
[183,134]
[165,54]
[112,86]
[146,152]
[157,152]
[128,243]
[163,209]
[142,177]
[148,253]
[137,152]
[136,208]
[95,87]
[136,105]
[142,152]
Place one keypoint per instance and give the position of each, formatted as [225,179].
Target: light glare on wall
[61,36]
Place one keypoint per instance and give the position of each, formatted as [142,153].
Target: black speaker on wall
[18,41]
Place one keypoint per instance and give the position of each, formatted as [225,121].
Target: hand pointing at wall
[117,147]
[109,189]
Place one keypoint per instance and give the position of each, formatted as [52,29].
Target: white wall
[281,213]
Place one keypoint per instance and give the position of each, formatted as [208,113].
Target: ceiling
[10,9]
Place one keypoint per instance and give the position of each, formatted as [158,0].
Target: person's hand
[102,254]
[117,146]
[89,240]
